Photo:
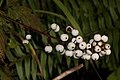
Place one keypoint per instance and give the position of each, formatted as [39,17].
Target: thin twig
[36,58]
[62,75]
[25,26]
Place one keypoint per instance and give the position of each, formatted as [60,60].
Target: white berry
[53,26]
[101,55]
[79,39]
[107,46]
[28,36]
[103,52]
[86,57]
[59,48]
[88,46]
[69,53]
[91,41]
[100,43]
[48,49]
[97,37]
[71,46]
[69,28]
[75,32]
[57,29]
[108,52]
[82,45]
[74,40]
[94,43]
[64,37]
[25,41]
[88,52]
[95,56]
[97,49]
[104,38]
[63,52]
[78,53]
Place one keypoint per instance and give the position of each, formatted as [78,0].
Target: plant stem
[25,26]
[62,75]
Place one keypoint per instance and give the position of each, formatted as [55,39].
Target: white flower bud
[104,38]
[59,48]
[69,53]
[75,32]
[28,36]
[95,56]
[88,52]
[88,46]
[100,43]
[82,45]
[78,53]
[107,46]
[25,41]
[64,37]
[79,39]
[97,37]
[97,49]
[108,52]
[71,46]
[91,41]
[48,49]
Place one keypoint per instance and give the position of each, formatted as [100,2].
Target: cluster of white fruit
[26,41]
[77,48]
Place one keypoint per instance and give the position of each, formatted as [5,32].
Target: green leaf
[20,70]
[50,64]
[68,59]
[68,15]
[34,69]
[116,43]
[27,67]
[18,52]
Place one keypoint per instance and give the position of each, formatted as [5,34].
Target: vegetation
[20,61]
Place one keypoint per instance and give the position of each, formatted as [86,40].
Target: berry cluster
[77,48]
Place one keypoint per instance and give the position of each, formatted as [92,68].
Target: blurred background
[21,17]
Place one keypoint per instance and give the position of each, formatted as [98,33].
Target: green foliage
[21,17]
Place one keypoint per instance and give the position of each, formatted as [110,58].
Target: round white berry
[78,53]
[57,29]
[104,38]
[108,52]
[91,41]
[71,46]
[64,37]
[95,56]
[94,43]
[75,56]
[25,41]
[86,57]
[88,52]
[82,45]
[79,39]
[48,49]
[103,52]
[59,48]
[69,28]
[63,52]
[69,53]
[97,49]
[107,46]
[101,55]
[97,37]
[53,26]
[74,40]
[28,36]
[100,43]
[88,46]
[75,32]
